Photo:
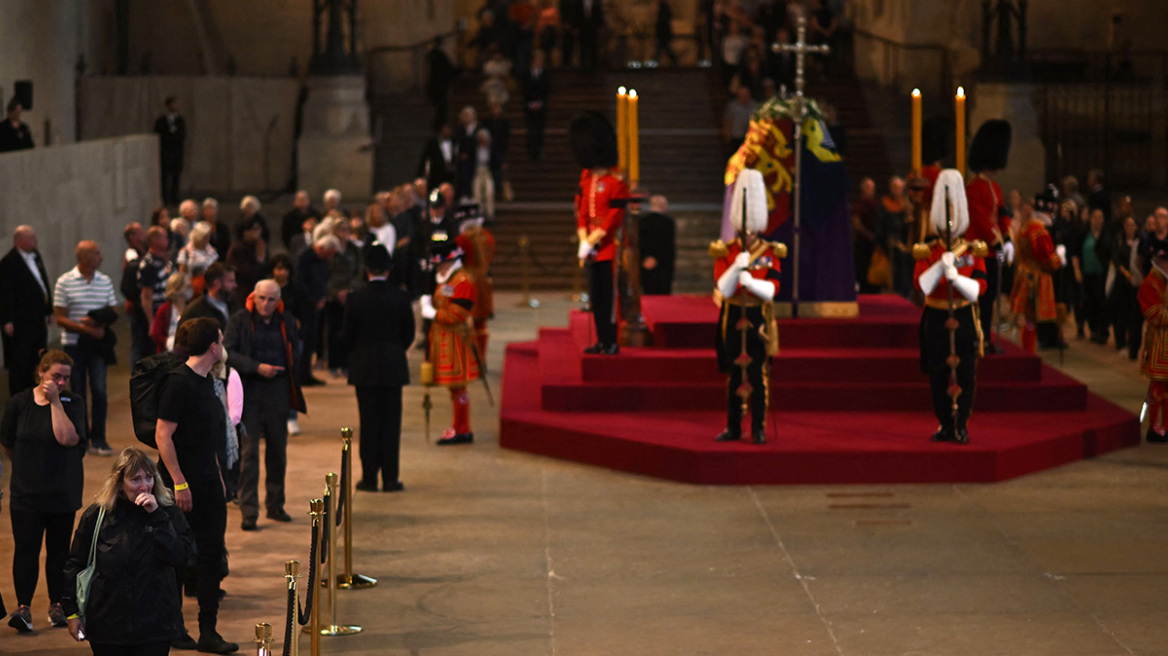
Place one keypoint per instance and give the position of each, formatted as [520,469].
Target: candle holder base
[355,582]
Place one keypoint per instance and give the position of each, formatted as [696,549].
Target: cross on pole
[800,48]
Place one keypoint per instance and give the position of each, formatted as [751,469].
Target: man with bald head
[261,344]
[25,308]
[84,303]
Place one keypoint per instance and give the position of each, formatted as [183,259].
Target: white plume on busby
[950,179]
[751,187]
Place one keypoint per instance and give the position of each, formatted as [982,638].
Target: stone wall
[240,131]
[79,191]
[39,41]
[262,37]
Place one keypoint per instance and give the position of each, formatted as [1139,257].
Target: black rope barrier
[305,614]
[324,546]
[344,486]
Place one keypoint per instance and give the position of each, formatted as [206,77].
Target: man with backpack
[188,411]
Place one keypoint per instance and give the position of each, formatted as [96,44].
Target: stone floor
[495,552]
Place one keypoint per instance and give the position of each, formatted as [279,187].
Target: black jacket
[22,301]
[240,336]
[133,595]
[201,307]
[433,165]
[378,328]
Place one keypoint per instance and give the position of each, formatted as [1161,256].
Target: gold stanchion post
[348,580]
[292,573]
[313,627]
[263,639]
[333,629]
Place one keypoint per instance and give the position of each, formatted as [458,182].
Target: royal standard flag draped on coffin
[824,223]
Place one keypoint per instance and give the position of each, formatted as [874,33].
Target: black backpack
[146,383]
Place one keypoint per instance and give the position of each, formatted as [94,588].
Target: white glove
[764,289]
[948,260]
[742,261]
[931,276]
[584,249]
[1062,252]
[1008,251]
[966,286]
[428,311]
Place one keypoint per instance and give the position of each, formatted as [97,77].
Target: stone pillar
[335,150]
[1014,102]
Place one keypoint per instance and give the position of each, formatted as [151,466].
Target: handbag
[86,575]
[879,269]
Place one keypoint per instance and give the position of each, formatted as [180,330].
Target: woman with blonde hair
[142,540]
[178,293]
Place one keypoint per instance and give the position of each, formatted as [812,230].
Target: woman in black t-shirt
[43,433]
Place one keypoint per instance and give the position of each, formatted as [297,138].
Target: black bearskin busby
[593,140]
[990,149]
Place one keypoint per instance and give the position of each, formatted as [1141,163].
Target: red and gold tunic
[594,210]
[1033,293]
[1154,354]
[764,265]
[968,264]
[986,220]
[451,331]
[478,247]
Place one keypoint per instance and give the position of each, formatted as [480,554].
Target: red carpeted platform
[848,404]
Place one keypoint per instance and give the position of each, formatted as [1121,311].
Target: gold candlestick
[634,141]
[959,108]
[916,131]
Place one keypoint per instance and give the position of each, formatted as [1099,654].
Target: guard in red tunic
[453,353]
[600,212]
[1036,260]
[1153,297]
[951,273]
[478,247]
[989,218]
[746,274]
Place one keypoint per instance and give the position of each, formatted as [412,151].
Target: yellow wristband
[73,617]
[180,488]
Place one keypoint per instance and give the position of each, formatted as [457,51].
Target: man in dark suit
[293,223]
[591,24]
[172,136]
[437,163]
[535,95]
[25,308]
[658,248]
[378,328]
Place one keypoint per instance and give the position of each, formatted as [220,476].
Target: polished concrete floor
[494,552]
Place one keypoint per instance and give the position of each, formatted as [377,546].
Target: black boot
[943,434]
[758,436]
[728,436]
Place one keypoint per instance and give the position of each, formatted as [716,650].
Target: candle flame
[621,91]
[632,93]
[916,93]
[960,92]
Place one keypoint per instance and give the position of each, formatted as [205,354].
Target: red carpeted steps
[849,404]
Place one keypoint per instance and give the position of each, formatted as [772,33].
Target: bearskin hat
[593,140]
[936,139]
[990,149]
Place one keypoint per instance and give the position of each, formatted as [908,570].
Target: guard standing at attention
[746,275]
[951,273]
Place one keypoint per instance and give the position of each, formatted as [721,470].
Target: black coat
[200,308]
[433,165]
[133,595]
[171,139]
[378,329]
[240,337]
[23,302]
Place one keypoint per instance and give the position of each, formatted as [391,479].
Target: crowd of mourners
[254,309]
